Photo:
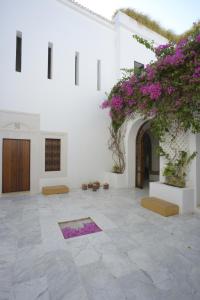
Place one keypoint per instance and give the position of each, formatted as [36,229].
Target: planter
[105,186]
[94,188]
[175,181]
[183,197]
[116,180]
[84,187]
[97,183]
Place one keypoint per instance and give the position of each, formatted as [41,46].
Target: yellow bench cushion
[57,189]
[160,206]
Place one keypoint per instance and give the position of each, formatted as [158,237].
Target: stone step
[57,189]
[160,206]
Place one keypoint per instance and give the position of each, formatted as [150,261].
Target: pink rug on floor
[80,227]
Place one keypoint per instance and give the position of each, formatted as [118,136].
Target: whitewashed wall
[62,106]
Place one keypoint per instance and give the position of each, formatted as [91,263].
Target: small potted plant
[84,187]
[106,186]
[94,187]
[90,185]
[97,183]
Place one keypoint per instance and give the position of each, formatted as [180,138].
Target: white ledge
[183,197]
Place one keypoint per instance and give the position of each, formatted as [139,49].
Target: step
[160,206]
[57,189]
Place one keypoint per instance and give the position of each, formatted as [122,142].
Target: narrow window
[18,63]
[98,75]
[50,54]
[138,68]
[52,154]
[77,68]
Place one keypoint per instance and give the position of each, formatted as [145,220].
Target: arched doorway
[147,159]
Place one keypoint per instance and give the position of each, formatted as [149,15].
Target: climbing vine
[166,91]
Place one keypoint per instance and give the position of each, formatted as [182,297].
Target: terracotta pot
[106,186]
[94,188]
[84,187]
[97,183]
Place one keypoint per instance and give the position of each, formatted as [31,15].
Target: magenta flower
[105,104]
[131,102]
[196,73]
[127,88]
[197,38]
[160,49]
[170,90]
[182,43]
[173,59]
[150,72]
[116,102]
[153,90]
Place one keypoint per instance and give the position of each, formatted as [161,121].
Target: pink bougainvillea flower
[182,43]
[160,49]
[116,102]
[153,90]
[105,104]
[170,90]
[150,72]
[198,38]
[196,73]
[127,88]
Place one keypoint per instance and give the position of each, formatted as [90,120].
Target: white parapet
[115,180]
[183,197]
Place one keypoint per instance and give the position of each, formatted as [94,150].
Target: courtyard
[137,255]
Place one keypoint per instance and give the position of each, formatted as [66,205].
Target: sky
[177,15]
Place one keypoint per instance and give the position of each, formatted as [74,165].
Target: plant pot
[175,181]
[94,188]
[84,187]
[106,186]
[97,183]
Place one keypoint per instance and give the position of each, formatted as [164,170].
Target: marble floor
[138,255]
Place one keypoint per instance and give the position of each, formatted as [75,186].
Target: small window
[98,75]
[50,56]
[138,68]
[52,154]
[77,68]
[18,62]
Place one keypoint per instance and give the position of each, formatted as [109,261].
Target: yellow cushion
[57,189]
[160,206]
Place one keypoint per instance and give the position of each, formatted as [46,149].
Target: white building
[58,59]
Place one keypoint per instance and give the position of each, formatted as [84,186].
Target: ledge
[183,197]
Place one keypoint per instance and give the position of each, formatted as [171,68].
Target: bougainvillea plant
[167,90]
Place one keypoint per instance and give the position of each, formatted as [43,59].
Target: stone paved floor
[139,255]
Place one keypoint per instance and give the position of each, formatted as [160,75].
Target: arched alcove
[140,152]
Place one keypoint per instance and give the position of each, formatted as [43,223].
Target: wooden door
[140,168]
[16,165]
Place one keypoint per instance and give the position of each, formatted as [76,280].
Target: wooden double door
[15,165]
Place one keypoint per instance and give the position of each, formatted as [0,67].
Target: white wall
[62,106]
[128,49]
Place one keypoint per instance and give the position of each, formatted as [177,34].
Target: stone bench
[160,206]
[57,189]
